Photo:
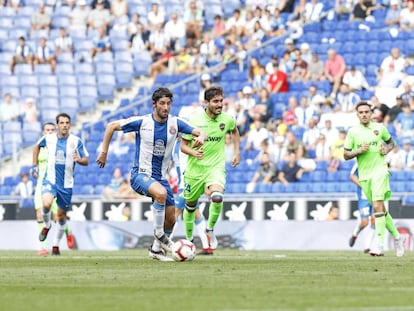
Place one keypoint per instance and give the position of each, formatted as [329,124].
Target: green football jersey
[213,148]
[371,161]
[42,163]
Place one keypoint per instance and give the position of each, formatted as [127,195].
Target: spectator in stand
[219,27]
[300,69]
[101,42]
[382,108]
[44,55]
[305,112]
[114,184]
[263,107]
[229,148]
[266,173]
[237,21]
[256,135]
[322,150]
[404,123]
[395,159]
[394,111]
[355,80]
[286,6]
[333,213]
[278,149]
[277,81]
[311,135]
[292,144]
[208,50]
[363,10]
[23,54]
[291,171]
[158,42]
[254,69]
[407,17]
[316,69]
[291,116]
[9,109]
[78,17]
[392,18]
[205,83]
[256,37]
[41,19]
[247,102]
[250,20]
[313,11]
[181,63]
[29,111]
[106,4]
[303,159]
[25,190]
[346,99]
[331,133]
[135,25]
[155,17]
[99,17]
[408,92]
[193,18]
[392,69]
[277,23]
[306,53]
[63,43]
[337,152]
[174,29]
[334,70]
[286,64]
[315,98]
[138,41]
[407,154]
[119,12]
[343,8]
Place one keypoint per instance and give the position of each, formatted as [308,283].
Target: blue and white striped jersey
[155,142]
[60,163]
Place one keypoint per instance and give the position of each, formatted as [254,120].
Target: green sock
[380,227]
[67,229]
[214,214]
[40,225]
[390,225]
[189,218]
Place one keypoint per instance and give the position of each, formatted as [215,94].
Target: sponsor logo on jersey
[173,130]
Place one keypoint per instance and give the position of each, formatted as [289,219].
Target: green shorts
[377,188]
[195,186]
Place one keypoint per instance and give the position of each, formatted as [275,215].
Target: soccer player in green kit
[369,142]
[208,174]
[39,173]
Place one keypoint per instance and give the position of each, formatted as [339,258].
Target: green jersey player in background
[208,172]
[48,128]
[369,142]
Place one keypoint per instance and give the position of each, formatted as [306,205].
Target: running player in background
[156,134]
[206,171]
[180,163]
[365,213]
[64,151]
[369,142]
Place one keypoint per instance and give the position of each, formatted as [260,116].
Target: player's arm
[236,147]
[354,179]
[34,169]
[110,128]
[200,137]
[185,148]
[80,160]
[387,146]
[350,154]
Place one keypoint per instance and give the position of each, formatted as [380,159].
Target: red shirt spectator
[334,70]
[277,82]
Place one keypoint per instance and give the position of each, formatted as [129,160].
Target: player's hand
[34,171]
[101,160]
[363,148]
[75,156]
[198,153]
[199,140]
[236,159]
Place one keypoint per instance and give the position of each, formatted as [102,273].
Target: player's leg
[193,190]
[200,224]
[179,208]
[63,200]
[39,218]
[364,214]
[370,239]
[48,195]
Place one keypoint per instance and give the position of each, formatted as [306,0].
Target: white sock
[200,225]
[46,217]
[59,233]
[159,216]
[370,237]
[156,246]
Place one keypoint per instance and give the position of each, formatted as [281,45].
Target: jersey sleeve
[131,124]
[42,142]
[83,152]
[349,140]
[184,127]
[385,134]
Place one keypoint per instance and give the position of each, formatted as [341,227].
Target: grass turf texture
[229,280]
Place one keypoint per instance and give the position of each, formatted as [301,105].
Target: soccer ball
[183,250]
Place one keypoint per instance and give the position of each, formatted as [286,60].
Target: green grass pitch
[229,280]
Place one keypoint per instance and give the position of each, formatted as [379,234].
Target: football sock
[67,228]
[40,225]
[156,246]
[370,237]
[159,216]
[357,230]
[200,225]
[59,233]
[46,217]
[390,225]
[214,214]
[380,227]
[189,217]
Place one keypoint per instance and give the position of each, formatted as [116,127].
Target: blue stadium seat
[68,91]
[31,133]
[87,103]
[67,80]
[64,68]
[29,91]
[47,80]
[86,80]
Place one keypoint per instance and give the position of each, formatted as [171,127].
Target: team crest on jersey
[173,130]
[376,132]
[222,126]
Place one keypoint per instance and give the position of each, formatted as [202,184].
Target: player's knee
[190,207]
[217,197]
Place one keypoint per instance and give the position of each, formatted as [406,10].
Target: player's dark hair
[63,115]
[362,103]
[213,91]
[47,123]
[160,93]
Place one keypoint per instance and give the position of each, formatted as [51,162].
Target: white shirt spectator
[355,79]
[313,11]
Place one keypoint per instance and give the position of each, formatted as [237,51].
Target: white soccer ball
[183,250]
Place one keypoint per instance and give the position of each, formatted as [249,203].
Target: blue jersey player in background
[365,213]
[156,134]
[65,150]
